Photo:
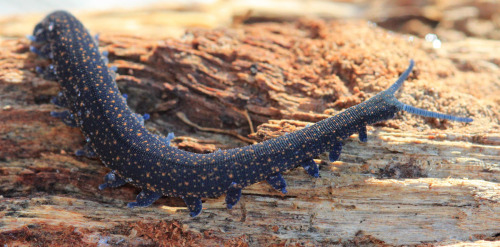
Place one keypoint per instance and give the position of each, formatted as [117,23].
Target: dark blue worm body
[118,137]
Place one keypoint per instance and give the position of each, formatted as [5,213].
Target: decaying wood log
[416,180]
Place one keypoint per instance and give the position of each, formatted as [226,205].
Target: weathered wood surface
[416,181]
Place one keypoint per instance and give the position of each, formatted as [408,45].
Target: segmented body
[119,138]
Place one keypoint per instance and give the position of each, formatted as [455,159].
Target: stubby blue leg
[31,38]
[96,38]
[112,180]
[48,73]
[66,117]
[59,100]
[311,168]
[86,151]
[233,195]
[139,117]
[335,153]
[43,51]
[277,182]
[142,118]
[194,205]
[144,199]
[362,134]
[168,138]
[105,57]
[40,35]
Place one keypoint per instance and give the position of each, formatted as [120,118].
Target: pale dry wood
[351,196]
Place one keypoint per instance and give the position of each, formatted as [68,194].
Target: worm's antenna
[401,79]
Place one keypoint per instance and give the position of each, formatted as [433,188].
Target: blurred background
[448,20]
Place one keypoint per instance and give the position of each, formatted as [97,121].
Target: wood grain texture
[416,180]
